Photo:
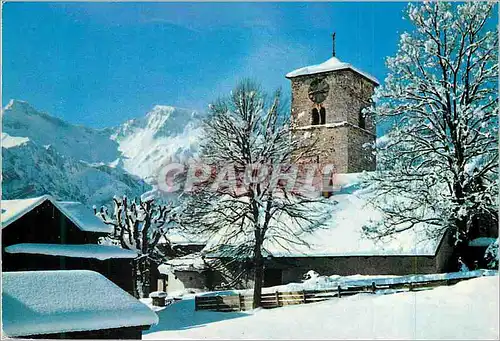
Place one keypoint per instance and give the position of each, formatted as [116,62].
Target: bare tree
[437,165]
[251,201]
[139,225]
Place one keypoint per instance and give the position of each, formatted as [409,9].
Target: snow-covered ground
[467,310]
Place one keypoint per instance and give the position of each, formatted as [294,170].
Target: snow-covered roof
[46,302]
[83,217]
[192,262]
[332,64]
[343,234]
[101,252]
[78,213]
[15,209]
[180,237]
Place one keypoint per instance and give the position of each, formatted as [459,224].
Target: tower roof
[331,64]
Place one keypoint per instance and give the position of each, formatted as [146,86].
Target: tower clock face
[318,90]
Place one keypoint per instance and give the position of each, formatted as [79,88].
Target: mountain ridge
[43,154]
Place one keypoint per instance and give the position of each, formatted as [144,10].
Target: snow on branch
[438,164]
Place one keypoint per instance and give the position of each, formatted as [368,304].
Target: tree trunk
[258,273]
[460,250]
[136,279]
[146,280]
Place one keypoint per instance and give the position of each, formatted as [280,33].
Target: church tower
[327,103]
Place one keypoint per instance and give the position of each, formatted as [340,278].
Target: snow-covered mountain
[165,134]
[78,142]
[42,154]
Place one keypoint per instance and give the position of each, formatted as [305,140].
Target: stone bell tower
[327,103]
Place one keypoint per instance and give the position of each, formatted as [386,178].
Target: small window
[326,194]
[361,120]
[315,117]
[322,114]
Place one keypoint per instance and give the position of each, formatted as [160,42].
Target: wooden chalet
[44,234]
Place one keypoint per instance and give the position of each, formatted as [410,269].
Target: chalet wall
[445,260]
[115,333]
[182,280]
[119,271]
[293,269]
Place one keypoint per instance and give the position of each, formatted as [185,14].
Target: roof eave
[42,199]
[363,74]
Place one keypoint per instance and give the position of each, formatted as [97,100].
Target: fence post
[304,296]
[195,303]
[374,287]
[277,299]
[239,300]
[338,291]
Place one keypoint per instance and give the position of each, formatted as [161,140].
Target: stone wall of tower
[360,156]
[331,145]
[349,93]
[343,146]
[340,141]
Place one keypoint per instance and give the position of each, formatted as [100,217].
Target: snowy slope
[165,134]
[342,234]
[467,310]
[12,141]
[31,170]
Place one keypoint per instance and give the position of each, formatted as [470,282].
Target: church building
[327,107]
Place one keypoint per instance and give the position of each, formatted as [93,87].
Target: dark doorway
[272,277]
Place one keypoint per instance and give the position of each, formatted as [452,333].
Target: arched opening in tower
[315,117]
[322,114]
[361,120]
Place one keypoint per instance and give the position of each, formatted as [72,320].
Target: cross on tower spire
[333,44]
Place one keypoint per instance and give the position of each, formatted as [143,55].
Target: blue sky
[99,64]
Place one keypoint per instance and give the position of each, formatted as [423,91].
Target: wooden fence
[240,302]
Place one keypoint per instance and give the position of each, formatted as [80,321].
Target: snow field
[467,310]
